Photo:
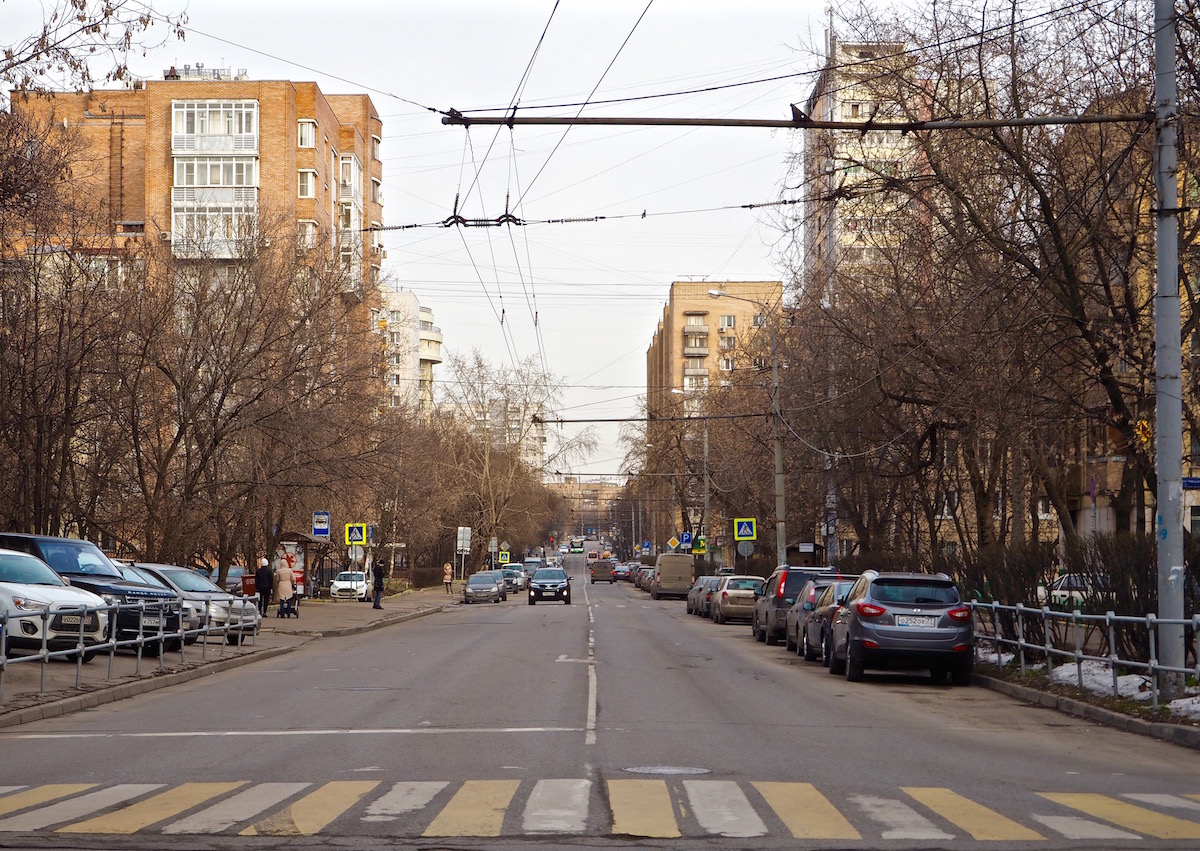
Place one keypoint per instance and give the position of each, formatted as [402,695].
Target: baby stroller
[289,608]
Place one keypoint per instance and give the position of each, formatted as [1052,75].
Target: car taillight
[782,582]
[724,595]
[960,614]
[867,610]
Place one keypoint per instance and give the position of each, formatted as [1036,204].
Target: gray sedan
[483,587]
[218,611]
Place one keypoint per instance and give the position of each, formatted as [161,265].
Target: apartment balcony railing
[695,351]
[241,196]
[214,143]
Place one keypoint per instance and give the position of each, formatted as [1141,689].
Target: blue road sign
[685,540]
[745,529]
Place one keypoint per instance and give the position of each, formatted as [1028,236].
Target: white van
[672,575]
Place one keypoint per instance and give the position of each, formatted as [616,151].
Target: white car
[350,585]
[29,588]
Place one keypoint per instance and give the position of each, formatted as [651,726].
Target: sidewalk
[21,702]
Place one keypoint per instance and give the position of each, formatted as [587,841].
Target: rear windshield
[743,584]
[913,591]
[481,579]
[795,581]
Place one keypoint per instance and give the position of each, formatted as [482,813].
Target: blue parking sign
[685,540]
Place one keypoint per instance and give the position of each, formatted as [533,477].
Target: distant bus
[576,545]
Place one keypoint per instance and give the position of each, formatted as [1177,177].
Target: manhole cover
[666,769]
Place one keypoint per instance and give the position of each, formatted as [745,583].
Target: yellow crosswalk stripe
[314,811]
[807,813]
[477,809]
[164,805]
[642,808]
[976,819]
[1130,816]
[40,795]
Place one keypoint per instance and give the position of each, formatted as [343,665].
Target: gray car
[768,622]
[693,596]
[483,587]
[904,620]
[217,610]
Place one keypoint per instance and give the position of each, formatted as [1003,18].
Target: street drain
[666,769]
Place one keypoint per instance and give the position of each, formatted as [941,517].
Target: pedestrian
[263,579]
[377,571]
[285,588]
[448,576]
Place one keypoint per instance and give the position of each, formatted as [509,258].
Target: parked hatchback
[734,597]
[816,622]
[908,620]
[693,596]
[769,618]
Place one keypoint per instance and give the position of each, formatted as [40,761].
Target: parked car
[734,597]
[85,566]
[498,574]
[29,588]
[221,612]
[483,587]
[804,603]
[769,619]
[692,603]
[672,575]
[909,620]
[550,583]
[620,572]
[1076,591]
[706,596]
[815,617]
[351,585]
[645,574]
[190,612]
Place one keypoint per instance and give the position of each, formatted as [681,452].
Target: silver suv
[905,620]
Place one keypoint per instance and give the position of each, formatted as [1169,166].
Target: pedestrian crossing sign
[356,533]
[504,556]
[745,529]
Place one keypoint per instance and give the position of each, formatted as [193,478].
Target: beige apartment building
[204,156]
[413,347]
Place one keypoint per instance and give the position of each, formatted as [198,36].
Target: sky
[597,288]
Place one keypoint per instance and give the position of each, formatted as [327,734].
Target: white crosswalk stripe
[402,799]
[76,808]
[722,808]
[1074,827]
[899,820]
[243,806]
[558,806]
[1167,801]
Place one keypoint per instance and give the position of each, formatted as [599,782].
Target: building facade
[413,347]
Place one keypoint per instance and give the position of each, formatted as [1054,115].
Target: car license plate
[150,621]
[71,620]
[916,620]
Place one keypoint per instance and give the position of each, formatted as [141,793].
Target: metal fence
[1054,636]
[152,637]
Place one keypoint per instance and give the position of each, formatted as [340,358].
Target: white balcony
[214,143]
[224,196]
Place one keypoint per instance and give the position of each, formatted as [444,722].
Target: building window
[948,505]
[216,171]
[308,183]
[376,192]
[1045,511]
[306,236]
[694,363]
[728,343]
[214,118]
[727,364]
[306,133]
[376,148]
[760,319]
[728,321]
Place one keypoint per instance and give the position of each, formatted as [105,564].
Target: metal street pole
[1167,355]
[780,500]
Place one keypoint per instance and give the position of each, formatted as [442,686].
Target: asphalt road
[616,721]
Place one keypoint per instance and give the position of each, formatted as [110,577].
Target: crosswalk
[622,807]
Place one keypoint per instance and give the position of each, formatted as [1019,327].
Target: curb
[132,688]
[1174,733]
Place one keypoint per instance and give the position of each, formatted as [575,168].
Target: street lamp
[780,505]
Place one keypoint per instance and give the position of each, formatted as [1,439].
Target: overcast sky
[597,288]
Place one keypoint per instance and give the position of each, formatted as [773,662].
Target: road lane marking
[477,809]
[1074,827]
[76,808]
[314,811]
[642,808]
[162,806]
[975,819]
[403,798]
[241,807]
[589,737]
[806,812]
[558,806]
[899,820]
[722,808]
[40,795]
[1138,819]
[331,731]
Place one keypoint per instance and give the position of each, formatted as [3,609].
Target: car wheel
[937,675]
[758,634]
[854,668]
[806,650]
[567,600]
[836,666]
[689,609]
[86,657]
[961,676]
[653,594]
[788,643]
[769,634]
[531,601]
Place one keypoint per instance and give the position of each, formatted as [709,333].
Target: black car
[87,567]
[550,583]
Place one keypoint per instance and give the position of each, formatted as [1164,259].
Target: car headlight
[112,599]
[25,604]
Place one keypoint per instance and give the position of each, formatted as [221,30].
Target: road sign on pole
[685,540]
[464,539]
[745,529]
[356,533]
[504,556]
[321,524]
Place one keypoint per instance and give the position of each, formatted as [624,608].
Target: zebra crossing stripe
[4,790]
[722,809]
[976,819]
[402,799]
[806,812]
[1169,801]
[241,807]
[1138,819]
[40,795]
[76,807]
[558,806]
[1074,827]
[900,821]
[162,806]
[314,811]
[477,809]
[642,808]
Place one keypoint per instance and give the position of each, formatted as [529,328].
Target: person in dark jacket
[377,571]
[263,579]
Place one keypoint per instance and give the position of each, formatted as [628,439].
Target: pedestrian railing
[1125,643]
[152,637]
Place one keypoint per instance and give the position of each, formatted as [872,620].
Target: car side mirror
[808,607]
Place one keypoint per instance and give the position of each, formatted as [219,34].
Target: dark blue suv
[87,567]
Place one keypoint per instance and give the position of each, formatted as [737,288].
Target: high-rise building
[413,346]
[205,159]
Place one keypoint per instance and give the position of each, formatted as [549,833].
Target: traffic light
[552,539]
